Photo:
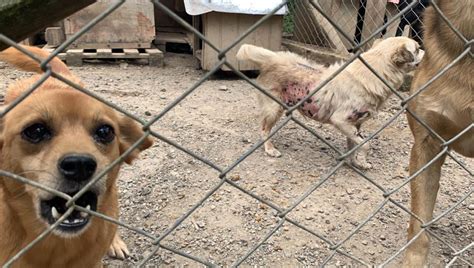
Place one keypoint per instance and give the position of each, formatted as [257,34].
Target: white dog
[348,100]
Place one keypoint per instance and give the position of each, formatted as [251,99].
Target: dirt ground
[218,121]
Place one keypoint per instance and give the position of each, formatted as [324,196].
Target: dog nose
[77,167]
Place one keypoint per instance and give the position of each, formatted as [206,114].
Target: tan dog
[447,106]
[348,100]
[61,138]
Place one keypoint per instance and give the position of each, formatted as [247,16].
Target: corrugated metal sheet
[255,7]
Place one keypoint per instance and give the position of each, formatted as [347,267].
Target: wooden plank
[373,19]
[74,57]
[196,41]
[132,22]
[61,55]
[312,28]
[21,18]
[155,57]
[130,51]
[229,32]
[165,37]
[110,45]
[223,29]
[245,22]
[275,37]
[315,53]
[104,52]
[212,30]
[261,38]
[330,31]
[54,36]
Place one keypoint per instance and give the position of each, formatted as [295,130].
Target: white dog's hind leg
[271,114]
[358,158]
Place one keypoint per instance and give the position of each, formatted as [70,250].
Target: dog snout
[421,53]
[77,167]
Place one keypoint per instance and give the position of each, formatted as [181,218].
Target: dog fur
[73,120]
[447,106]
[348,100]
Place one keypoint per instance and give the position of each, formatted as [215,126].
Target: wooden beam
[22,18]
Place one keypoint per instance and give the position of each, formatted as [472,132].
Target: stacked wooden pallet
[75,57]
[127,33]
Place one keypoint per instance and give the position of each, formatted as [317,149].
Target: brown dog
[61,138]
[347,101]
[447,106]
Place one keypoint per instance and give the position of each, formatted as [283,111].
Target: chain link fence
[356,19]
[459,254]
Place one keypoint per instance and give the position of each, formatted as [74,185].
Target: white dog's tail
[257,55]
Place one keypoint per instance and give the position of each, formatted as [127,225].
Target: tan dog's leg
[424,189]
[358,159]
[271,112]
[118,249]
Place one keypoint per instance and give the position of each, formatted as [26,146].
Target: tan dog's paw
[118,249]
[273,152]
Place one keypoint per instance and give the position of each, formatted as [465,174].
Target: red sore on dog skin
[295,92]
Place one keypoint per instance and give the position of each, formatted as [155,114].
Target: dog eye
[36,133]
[104,134]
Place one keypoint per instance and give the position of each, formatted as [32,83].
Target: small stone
[223,88]
[163,90]
[364,242]
[147,113]
[235,177]
[382,237]
[471,207]
[246,140]
[309,218]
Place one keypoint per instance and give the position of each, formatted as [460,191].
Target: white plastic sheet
[255,7]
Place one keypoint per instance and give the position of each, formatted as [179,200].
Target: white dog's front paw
[118,249]
[361,163]
[273,152]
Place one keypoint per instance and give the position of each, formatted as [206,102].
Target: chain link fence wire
[336,247]
[355,19]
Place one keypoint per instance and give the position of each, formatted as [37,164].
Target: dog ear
[130,132]
[402,56]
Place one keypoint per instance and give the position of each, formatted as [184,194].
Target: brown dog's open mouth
[51,210]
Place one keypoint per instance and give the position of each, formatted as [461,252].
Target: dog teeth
[55,213]
[85,214]
[67,221]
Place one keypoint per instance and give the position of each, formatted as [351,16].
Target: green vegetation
[288,19]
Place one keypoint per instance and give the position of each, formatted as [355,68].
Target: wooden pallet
[75,57]
[162,38]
